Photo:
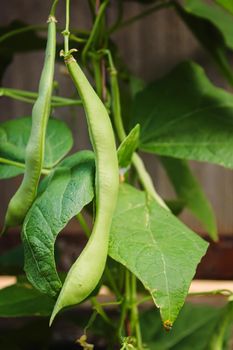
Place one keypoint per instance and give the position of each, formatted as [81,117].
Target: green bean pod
[86,272]
[25,195]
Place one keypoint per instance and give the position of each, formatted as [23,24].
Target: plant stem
[66,32]
[44,171]
[20,31]
[98,307]
[218,337]
[143,174]
[53,8]
[141,15]
[224,292]
[135,325]
[146,180]
[83,224]
[30,97]
[94,29]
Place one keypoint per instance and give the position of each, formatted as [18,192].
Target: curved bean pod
[86,272]
[25,195]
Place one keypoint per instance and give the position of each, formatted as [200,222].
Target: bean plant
[136,248]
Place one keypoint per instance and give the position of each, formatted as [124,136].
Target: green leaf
[192,331]
[128,147]
[210,38]
[8,171]
[223,329]
[215,14]
[13,143]
[68,190]
[226,4]
[185,116]
[189,190]
[153,244]
[175,205]
[22,299]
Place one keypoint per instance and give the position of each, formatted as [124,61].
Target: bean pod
[86,272]
[25,195]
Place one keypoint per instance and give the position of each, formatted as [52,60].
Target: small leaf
[13,143]
[68,190]
[128,147]
[189,190]
[153,244]
[185,116]
[22,299]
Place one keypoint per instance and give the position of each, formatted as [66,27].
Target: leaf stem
[135,325]
[53,8]
[66,32]
[94,29]
[44,171]
[30,97]
[224,292]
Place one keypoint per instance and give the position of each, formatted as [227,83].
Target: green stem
[224,292]
[97,75]
[135,325]
[83,224]
[94,29]
[146,180]
[98,307]
[30,97]
[66,32]
[218,337]
[143,174]
[44,171]
[141,15]
[77,39]
[53,8]
[20,31]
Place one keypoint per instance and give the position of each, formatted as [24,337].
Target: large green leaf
[184,115]
[215,14]
[227,4]
[193,329]
[68,190]
[189,190]
[161,251]
[8,171]
[14,135]
[22,299]
[210,38]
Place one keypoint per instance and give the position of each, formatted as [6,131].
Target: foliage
[181,117]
